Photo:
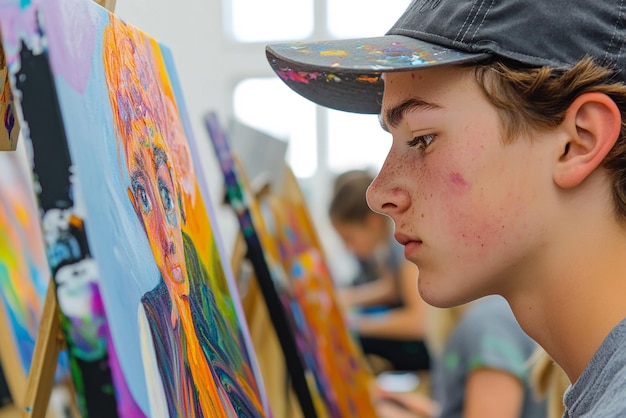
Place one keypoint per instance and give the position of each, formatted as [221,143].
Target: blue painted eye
[166,197]
[143,198]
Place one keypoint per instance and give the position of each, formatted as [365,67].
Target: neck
[573,301]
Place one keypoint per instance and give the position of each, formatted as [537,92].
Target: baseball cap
[346,74]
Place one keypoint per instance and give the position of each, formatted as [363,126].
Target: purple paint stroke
[126,405]
[71,61]
[17,25]
[297,76]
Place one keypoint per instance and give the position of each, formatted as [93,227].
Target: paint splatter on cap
[346,74]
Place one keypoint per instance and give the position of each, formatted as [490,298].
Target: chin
[445,296]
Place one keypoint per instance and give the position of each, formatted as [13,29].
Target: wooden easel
[50,340]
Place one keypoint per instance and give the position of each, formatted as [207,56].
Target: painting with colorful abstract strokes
[24,274]
[130,234]
[340,368]
[337,378]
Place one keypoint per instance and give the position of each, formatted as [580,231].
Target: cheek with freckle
[473,224]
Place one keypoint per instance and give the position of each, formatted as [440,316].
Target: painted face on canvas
[140,116]
[154,198]
[465,205]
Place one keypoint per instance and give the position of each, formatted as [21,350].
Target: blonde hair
[440,324]
[549,382]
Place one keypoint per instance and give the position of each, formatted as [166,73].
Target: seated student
[480,367]
[387,312]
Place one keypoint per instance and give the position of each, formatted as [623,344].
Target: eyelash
[422,141]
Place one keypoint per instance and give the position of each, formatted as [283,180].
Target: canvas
[24,274]
[153,320]
[341,369]
[281,238]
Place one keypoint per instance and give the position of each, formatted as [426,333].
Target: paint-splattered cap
[346,74]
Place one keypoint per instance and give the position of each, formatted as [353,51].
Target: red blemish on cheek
[413,76]
[458,180]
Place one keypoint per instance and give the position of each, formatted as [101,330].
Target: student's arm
[406,322]
[378,292]
[404,405]
[493,393]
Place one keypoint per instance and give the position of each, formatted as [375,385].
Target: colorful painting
[24,273]
[286,245]
[130,233]
[341,369]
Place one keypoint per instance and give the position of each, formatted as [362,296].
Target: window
[355,141]
[357,19]
[264,21]
[341,136]
[256,101]
[321,142]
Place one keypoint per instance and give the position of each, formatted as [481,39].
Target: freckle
[422,215]
[413,76]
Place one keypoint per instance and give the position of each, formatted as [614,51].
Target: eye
[422,141]
[166,197]
[142,196]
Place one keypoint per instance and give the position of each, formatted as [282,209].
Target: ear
[592,124]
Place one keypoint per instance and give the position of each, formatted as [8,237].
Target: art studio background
[219,51]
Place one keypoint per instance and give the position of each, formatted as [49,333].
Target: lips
[177,274]
[175,271]
[411,245]
[405,239]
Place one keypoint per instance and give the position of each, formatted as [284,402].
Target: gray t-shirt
[487,336]
[600,391]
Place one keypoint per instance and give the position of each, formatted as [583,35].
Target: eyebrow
[160,157]
[394,115]
[136,176]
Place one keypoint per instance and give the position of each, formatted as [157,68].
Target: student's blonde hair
[537,99]
[549,382]
[440,324]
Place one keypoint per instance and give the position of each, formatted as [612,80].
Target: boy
[507,172]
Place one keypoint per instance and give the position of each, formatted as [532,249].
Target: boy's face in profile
[468,208]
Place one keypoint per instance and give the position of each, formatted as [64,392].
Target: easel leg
[49,344]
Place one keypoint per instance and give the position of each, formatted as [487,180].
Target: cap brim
[346,74]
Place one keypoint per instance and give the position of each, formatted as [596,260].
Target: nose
[168,246]
[164,234]
[386,194]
